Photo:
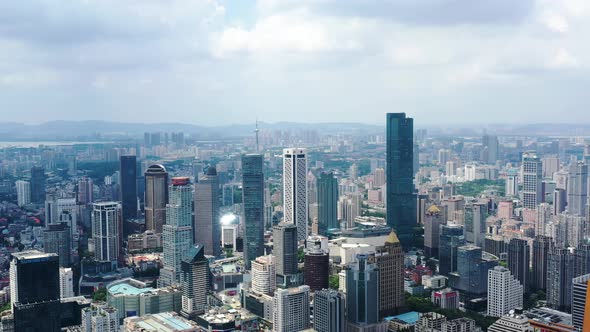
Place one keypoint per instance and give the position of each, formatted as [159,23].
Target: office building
[475,223]
[512,184]
[379,177]
[291,309]
[106,227]
[519,260]
[177,233]
[156,197]
[66,282]
[532,172]
[128,189]
[362,291]
[389,259]
[328,202]
[561,270]
[401,197]
[577,189]
[37,181]
[253,200]
[505,292]
[493,149]
[23,192]
[285,251]
[160,322]
[559,201]
[543,218]
[207,230]
[317,267]
[451,238]
[295,190]
[446,299]
[541,248]
[581,302]
[100,318]
[433,218]
[85,190]
[264,275]
[57,239]
[195,282]
[471,276]
[329,311]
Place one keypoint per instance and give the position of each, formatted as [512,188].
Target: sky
[215,62]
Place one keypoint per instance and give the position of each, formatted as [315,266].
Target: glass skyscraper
[128,185]
[207,227]
[451,238]
[327,203]
[401,197]
[253,200]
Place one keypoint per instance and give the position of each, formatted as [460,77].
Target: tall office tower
[470,172]
[390,261]
[570,230]
[291,309]
[519,260]
[264,280]
[560,272]
[550,165]
[577,189]
[106,230]
[195,282]
[328,311]
[327,203]
[559,201]
[285,251]
[317,267]
[85,190]
[401,197]
[349,207]
[451,168]
[100,318]
[543,218]
[433,219]
[156,197]
[491,142]
[177,234]
[505,292]
[511,184]
[66,282]
[581,302]
[37,184]
[207,226]
[379,177]
[451,238]
[582,256]
[362,291]
[128,189]
[475,223]
[443,156]
[532,175]
[295,189]
[541,248]
[23,192]
[472,270]
[253,200]
[57,239]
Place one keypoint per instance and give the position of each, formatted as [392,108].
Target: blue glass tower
[327,203]
[253,200]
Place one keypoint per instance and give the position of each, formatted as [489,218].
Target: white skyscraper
[470,171]
[505,292]
[106,223]
[532,175]
[66,282]
[295,189]
[291,309]
[23,192]
[577,189]
[512,183]
[264,275]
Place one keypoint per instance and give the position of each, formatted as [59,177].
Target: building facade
[295,190]
[207,230]
[156,197]
[253,200]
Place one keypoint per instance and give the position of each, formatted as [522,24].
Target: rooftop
[409,317]
[163,322]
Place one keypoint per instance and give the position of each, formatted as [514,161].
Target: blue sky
[212,62]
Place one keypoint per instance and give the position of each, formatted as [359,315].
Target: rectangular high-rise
[505,292]
[285,251]
[581,302]
[38,179]
[475,223]
[390,262]
[401,197]
[106,227]
[577,189]
[291,309]
[128,189]
[253,201]
[541,248]
[328,311]
[451,238]
[519,260]
[532,175]
[362,291]
[327,203]
[295,189]
[156,197]
[57,239]
[207,227]
[195,282]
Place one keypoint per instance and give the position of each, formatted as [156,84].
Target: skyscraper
[543,218]
[128,189]
[317,267]
[106,231]
[451,238]
[577,189]
[85,190]
[207,226]
[57,239]
[253,200]
[505,292]
[264,275]
[327,203]
[37,184]
[295,189]
[581,302]
[390,262]
[328,311]
[541,248]
[560,272]
[532,172]
[195,282]
[285,251]
[475,223]
[177,233]
[156,197]
[511,183]
[362,291]
[472,270]
[23,192]
[401,197]
[433,219]
[291,309]
[559,201]
[519,260]
[491,142]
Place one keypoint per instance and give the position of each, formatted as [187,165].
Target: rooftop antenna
[256,131]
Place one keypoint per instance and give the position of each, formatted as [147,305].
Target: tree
[334,281]
[100,294]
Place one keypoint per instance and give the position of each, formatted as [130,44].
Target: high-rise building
[446,299]
[328,311]
[106,231]
[285,251]
[57,238]
[100,318]
[532,172]
[560,272]
[493,147]
[291,309]
[253,200]
[475,223]
[379,177]
[581,302]
[519,260]
[451,238]
[295,189]
[317,267]
[128,189]
[577,189]
[23,192]
[264,275]
[550,165]
[559,201]
[541,248]
[156,197]
[390,262]
[511,184]
[207,226]
[37,184]
[434,217]
[66,282]
[195,282]
[401,197]
[177,233]
[85,190]
[505,292]
[472,270]
[327,203]
[543,218]
[362,291]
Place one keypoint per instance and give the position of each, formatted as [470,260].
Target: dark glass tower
[57,240]
[451,238]
[401,197]
[253,200]
[285,250]
[156,197]
[37,185]
[207,226]
[541,248]
[128,184]
[519,258]
[328,311]
[327,203]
